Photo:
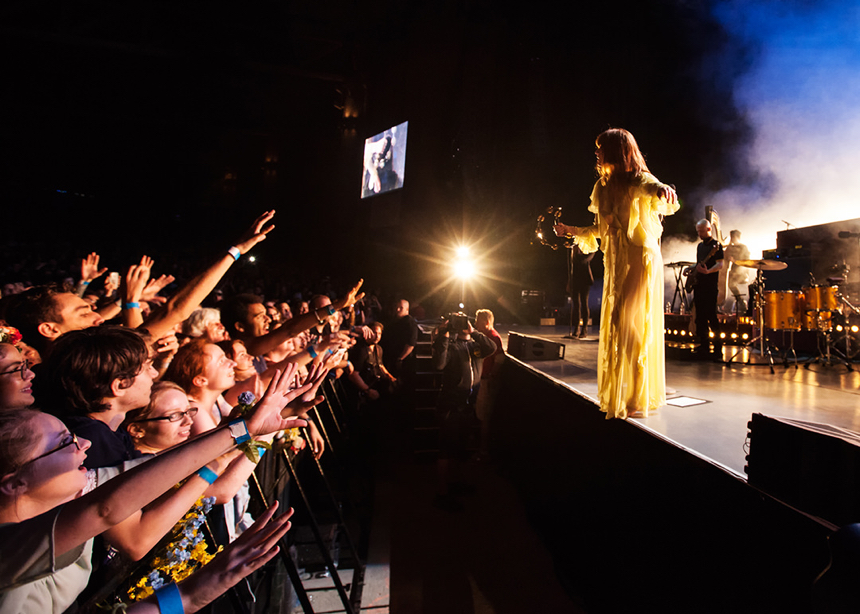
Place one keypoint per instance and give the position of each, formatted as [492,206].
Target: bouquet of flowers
[183,554]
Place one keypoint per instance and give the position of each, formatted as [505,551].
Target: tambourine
[541,235]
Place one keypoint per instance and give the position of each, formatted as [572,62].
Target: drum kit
[819,308]
[815,308]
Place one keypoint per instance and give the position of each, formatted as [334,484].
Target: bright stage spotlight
[464,269]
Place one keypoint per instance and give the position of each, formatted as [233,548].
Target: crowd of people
[131,404]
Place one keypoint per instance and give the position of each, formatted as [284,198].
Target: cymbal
[679,264]
[763,265]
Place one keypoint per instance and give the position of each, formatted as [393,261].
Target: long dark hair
[622,158]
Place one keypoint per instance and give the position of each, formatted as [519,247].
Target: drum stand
[824,356]
[765,347]
[845,353]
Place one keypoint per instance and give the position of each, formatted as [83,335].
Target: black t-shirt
[708,282]
[397,335]
[366,360]
[108,448]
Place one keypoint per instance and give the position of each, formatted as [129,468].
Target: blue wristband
[234,251]
[207,474]
[169,600]
[239,431]
[312,351]
[131,305]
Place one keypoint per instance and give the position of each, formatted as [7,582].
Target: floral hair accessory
[252,447]
[9,334]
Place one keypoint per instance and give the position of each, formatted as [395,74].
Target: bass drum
[783,310]
[822,298]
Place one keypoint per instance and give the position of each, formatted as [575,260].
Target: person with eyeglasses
[51,506]
[166,422]
[16,379]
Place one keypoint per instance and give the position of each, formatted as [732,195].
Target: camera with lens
[457,322]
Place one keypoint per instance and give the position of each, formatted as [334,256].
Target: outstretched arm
[188,298]
[253,549]
[89,271]
[299,324]
[110,504]
[140,532]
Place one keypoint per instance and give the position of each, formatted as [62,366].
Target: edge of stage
[661,505]
[716,429]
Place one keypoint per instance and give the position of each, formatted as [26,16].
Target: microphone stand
[570,334]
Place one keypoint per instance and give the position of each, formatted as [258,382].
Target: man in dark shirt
[709,258]
[401,337]
[458,351]
[91,379]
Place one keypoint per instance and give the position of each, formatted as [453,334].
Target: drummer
[737,275]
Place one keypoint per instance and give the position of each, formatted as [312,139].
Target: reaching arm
[140,532]
[135,281]
[89,271]
[110,504]
[187,299]
[253,549]
[260,345]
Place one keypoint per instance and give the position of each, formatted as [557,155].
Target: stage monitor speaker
[526,347]
[813,467]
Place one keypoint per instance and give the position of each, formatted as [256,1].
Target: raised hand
[256,233]
[253,549]
[153,287]
[351,297]
[136,278]
[90,268]
[267,414]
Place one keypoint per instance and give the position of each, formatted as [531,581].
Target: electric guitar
[693,274]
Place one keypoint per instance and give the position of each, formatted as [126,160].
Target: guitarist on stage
[709,255]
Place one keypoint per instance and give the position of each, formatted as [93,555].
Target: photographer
[458,351]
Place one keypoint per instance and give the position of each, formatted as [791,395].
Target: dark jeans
[705,299]
[456,415]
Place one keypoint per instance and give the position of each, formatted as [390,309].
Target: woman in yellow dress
[628,203]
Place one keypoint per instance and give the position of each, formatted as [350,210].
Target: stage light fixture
[838,328]
[722,335]
[745,336]
[711,334]
[855,328]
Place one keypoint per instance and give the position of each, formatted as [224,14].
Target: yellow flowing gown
[631,365]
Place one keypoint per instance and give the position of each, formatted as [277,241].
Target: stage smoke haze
[675,249]
[799,97]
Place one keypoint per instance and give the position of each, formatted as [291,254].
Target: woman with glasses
[166,422]
[47,522]
[16,379]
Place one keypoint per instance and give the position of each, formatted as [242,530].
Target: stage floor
[717,429]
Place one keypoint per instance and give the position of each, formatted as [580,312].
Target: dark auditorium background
[162,120]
